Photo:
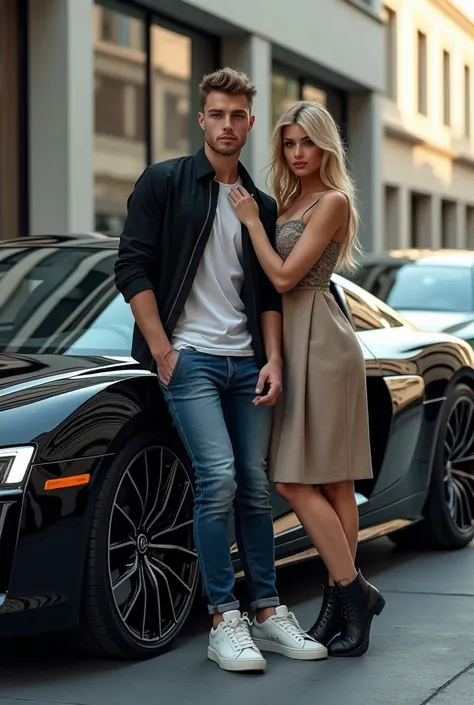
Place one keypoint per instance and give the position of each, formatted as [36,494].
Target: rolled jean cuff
[266,602]
[220,609]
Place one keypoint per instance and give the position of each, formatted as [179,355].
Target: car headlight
[14,464]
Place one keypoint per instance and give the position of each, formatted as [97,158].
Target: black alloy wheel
[458,463]
[143,572]
[449,510]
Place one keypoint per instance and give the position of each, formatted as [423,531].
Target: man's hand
[270,375]
[165,363]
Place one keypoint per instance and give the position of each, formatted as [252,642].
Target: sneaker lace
[238,632]
[291,626]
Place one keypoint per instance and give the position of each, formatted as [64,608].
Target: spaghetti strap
[311,206]
[317,201]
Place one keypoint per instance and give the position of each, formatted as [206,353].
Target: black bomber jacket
[170,215]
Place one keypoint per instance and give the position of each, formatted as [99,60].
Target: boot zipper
[192,255]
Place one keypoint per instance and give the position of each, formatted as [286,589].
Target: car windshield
[432,288]
[62,300]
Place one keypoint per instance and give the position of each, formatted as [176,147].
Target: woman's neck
[311,184]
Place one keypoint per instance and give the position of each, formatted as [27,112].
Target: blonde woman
[320,441]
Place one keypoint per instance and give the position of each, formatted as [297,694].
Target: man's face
[226,122]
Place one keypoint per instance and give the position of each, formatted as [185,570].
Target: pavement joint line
[446,685]
[421,592]
[36,700]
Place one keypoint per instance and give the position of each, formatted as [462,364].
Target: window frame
[302,79]
[202,42]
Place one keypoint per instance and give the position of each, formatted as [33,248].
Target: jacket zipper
[192,255]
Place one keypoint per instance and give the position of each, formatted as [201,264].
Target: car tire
[147,493]
[449,510]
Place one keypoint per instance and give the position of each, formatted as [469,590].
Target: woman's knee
[338,491]
[290,491]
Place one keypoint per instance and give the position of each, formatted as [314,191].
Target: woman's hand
[244,205]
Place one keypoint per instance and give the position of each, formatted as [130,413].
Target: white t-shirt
[213,320]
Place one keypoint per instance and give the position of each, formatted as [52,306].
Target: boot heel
[380,605]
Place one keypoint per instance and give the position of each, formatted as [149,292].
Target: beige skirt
[320,431]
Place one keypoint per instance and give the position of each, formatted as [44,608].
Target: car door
[396,401]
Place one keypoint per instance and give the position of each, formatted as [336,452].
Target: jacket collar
[204,168]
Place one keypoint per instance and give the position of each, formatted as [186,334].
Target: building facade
[98,90]
[428,151]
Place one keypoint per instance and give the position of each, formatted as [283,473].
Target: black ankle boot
[360,601]
[329,621]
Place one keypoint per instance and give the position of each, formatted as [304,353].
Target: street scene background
[93,92]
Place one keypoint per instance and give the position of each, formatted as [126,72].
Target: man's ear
[251,122]
[201,121]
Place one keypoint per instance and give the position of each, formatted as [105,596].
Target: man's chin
[227,150]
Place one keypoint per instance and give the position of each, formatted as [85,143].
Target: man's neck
[226,167]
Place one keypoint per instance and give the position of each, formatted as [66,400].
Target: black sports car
[96,493]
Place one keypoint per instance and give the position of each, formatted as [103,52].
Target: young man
[209,322]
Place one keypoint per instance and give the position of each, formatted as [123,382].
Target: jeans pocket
[174,373]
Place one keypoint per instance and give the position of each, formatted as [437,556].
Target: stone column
[61,129]
[253,55]
[365,145]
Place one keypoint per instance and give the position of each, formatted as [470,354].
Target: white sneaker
[231,646]
[282,634]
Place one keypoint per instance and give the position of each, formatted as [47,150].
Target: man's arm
[271,374]
[272,335]
[271,299]
[137,257]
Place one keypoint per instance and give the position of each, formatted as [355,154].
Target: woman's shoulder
[333,204]
[335,199]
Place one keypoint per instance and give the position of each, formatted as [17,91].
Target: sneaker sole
[244,666]
[307,655]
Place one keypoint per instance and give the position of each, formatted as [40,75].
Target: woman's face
[302,155]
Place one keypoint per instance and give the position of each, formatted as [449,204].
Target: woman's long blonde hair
[320,127]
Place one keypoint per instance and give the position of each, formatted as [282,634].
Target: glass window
[171,84]
[285,92]
[368,313]
[288,89]
[364,317]
[120,112]
[376,278]
[315,95]
[432,288]
[422,74]
[122,30]
[62,300]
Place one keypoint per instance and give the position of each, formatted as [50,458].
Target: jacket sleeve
[271,299]
[140,239]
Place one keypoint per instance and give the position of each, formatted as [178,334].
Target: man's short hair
[229,81]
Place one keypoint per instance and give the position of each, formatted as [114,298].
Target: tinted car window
[62,300]
[368,315]
[432,288]
[376,278]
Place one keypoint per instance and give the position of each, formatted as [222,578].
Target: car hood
[21,372]
[437,320]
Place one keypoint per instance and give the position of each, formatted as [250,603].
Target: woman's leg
[341,497]
[359,600]
[324,528]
